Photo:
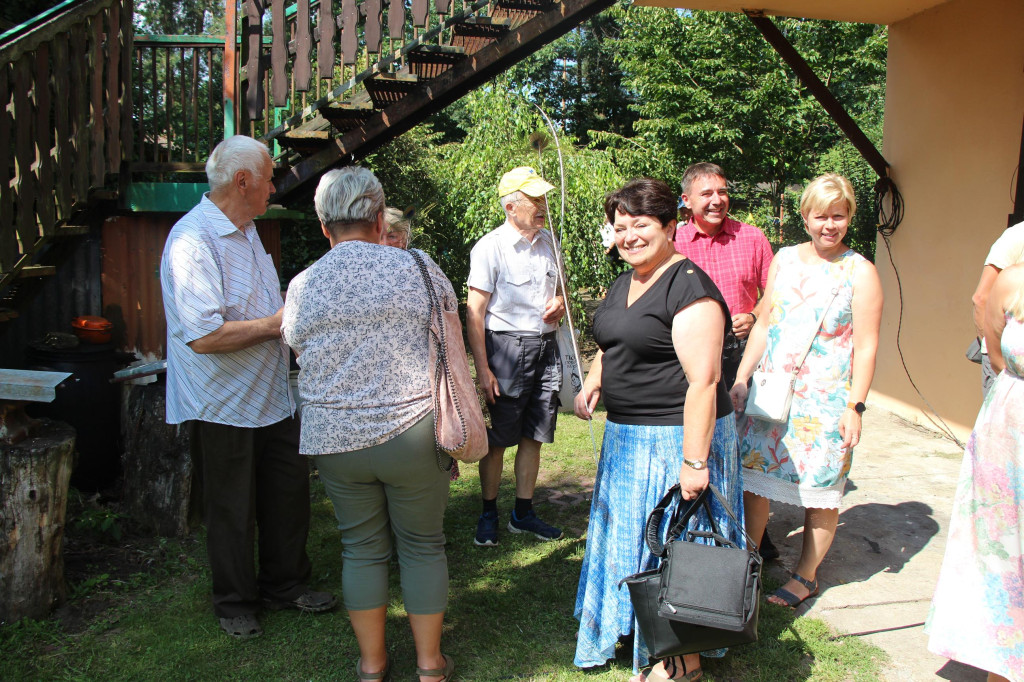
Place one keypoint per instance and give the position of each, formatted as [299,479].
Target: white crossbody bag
[771,393]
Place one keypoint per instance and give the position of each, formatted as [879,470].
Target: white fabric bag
[572,382]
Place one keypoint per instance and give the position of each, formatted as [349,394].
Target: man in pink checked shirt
[735,255]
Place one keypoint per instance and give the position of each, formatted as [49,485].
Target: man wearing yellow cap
[511,317]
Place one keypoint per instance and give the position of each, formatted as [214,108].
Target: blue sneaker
[487,530]
[531,524]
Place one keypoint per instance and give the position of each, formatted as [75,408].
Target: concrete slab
[878,578]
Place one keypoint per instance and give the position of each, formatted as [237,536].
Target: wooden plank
[303,46]
[325,54]
[349,31]
[45,210]
[230,68]
[253,39]
[127,113]
[24,154]
[37,271]
[113,94]
[279,54]
[168,107]
[396,18]
[96,165]
[8,238]
[63,146]
[195,104]
[80,113]
[419,12]
[442,6]
[372,27]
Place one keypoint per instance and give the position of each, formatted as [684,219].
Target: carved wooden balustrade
[65,120]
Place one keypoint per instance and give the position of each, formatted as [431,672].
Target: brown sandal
[446,672]
[688,676]
[384,675]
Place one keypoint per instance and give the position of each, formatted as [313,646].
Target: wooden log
[127,49]
[158,492]
[34,475]
[325,54]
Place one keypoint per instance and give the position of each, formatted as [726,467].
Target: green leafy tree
[708,87]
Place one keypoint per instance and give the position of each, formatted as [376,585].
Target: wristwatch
[695,464]
[856,407]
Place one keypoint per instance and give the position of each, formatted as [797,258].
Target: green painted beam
[171,40]
[181,197]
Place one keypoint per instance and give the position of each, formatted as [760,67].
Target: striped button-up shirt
[211,273]
[520,276]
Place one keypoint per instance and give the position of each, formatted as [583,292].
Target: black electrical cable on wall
[888,220]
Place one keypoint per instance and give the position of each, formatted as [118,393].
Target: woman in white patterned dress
[357,319]
[977,614]
[805,461]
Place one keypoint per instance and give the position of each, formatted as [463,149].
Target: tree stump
[158,491]
[34,476]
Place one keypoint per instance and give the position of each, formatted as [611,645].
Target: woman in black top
[660,331]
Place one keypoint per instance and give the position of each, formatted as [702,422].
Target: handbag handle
[681,518]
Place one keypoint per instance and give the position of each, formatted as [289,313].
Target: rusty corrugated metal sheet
[48,304]
[132,246]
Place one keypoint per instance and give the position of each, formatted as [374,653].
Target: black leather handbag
[701,597]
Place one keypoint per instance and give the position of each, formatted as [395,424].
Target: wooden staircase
[446,54]
[90,112]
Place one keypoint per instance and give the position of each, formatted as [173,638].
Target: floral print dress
[803,462]
[977,614]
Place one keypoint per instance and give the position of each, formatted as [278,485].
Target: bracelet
[753,316]
[695,464]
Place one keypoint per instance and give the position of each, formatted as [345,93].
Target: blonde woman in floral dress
[977,614]
[805,461]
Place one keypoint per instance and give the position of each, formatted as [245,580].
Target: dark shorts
[529,375]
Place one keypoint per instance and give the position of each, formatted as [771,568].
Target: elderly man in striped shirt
[227,378]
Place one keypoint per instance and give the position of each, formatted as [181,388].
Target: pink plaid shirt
[736,259]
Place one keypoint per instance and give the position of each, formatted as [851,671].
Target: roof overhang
[861,11]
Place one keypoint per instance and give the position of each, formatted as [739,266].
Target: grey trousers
[396,487]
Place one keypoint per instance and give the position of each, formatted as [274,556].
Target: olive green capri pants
[398,487]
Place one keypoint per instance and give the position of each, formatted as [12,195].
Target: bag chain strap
[442,357]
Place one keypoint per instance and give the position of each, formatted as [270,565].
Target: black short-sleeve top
[642,381]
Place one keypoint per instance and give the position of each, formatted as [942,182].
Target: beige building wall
[953,116]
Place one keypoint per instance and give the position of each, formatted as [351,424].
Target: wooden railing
[312,56]
[179,102]
[65,121]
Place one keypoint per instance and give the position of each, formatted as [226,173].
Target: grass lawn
[510,609]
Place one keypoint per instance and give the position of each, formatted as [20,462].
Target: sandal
[242,627]
[793,601]
[445,672]
[384,675]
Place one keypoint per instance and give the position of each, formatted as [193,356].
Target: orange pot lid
[94,322]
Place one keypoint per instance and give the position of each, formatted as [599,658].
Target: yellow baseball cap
[523,179]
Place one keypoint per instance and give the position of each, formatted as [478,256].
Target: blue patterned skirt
[638,465]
